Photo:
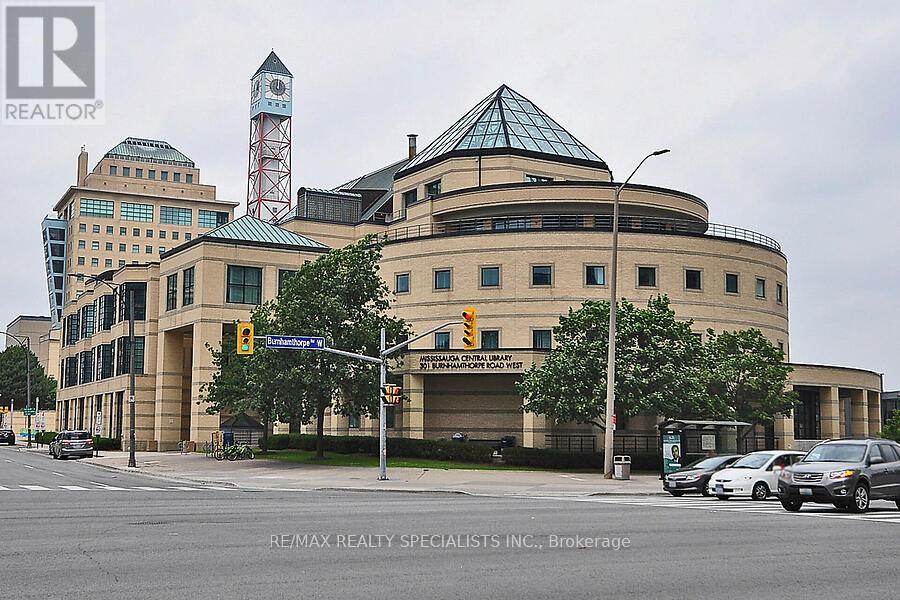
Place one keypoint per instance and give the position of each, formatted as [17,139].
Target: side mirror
[875,460]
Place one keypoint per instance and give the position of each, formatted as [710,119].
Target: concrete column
[784,432]
[860,415]
[830,412]
[414,411]
[534,430]
[873,409]
[202,370]
[169,380]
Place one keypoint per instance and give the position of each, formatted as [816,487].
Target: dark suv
[847,473]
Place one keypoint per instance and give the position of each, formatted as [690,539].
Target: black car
[694,477]
[8,437]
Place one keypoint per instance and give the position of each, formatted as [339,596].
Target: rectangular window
[105,209]
[149,233]
[95,229]
[123,248]
[537,179]
[126,171]
[283,276]
[541,275]
[173,215]
[80,261]
[107,310]
[162,234]
[137,212]
[113,170]
[442,279]
[121,263]
[86,367]
[162,250]
[82,244]
[87,320]
[509,223]
[647,277]
[595,275]
[211,218]
[123,231]
[731,283]
[136,232]
[490,339]
[172,291]
[95,245]
[442,340]
[693,279]
[187,287]
[105,361]
[109,246]
[139,173]
[244,285]
[176,177]
[779,293]
[410,197]
[433,189]
[151,174]
[189,178]
[95,262]
[540,339]
[401,283]
[107,263]
[353,421]
[123,355]
[148,249]
[490,276]
[175,235]
[109,230]
[82,228]
[140,301]
[187,237]
[760,287]
[164,175]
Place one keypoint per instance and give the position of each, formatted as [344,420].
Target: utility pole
[610,420]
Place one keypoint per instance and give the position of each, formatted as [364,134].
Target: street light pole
[25,343]
[613,301]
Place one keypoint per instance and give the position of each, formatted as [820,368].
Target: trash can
[621,467]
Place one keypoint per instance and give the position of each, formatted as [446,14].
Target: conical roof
[273,64]
[505,122]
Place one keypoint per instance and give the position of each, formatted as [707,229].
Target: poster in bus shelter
[671,446]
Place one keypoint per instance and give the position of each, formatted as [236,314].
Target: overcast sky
[782,116]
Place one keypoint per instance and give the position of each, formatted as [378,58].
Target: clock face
[254,90]
[278,88]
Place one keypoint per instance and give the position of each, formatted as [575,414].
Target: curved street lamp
[613,300]
[25,343]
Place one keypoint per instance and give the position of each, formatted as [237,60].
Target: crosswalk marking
[3,489]
[35,488]
[74,488]
[148,488]
[185,489]
[97,486]
[103,486]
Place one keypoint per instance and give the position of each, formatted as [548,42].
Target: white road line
[111,488]
[75,488]
[185,489]
[7,460]
[221,489]
[148,489]
[28,466]
[35,488]
[3,489]
[59,474]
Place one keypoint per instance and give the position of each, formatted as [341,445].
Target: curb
[394,490]
[139,471]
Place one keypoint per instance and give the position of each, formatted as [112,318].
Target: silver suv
[847,473]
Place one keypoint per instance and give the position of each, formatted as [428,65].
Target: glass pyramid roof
[505,120]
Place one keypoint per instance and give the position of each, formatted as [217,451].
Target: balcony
[580,222]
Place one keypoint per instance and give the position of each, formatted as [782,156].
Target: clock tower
[269,173]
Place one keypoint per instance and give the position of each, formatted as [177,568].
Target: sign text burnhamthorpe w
[54,63]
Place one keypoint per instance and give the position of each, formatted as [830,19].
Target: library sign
[486,362]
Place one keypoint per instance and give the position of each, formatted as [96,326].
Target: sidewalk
[274,475]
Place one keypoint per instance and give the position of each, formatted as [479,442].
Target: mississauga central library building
[506,211]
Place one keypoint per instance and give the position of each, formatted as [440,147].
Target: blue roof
[250,229]
[505,122]
[153,151]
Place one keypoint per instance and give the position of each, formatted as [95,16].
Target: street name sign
[29,411]
[294,342]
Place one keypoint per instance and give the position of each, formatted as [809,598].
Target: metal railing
[648,443]
[571,443]
[579,222]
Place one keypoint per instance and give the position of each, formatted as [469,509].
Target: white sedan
[754,476]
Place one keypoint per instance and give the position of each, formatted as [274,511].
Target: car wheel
[760,491]
[792,505]
[723,497]
[677,494]
[860,501]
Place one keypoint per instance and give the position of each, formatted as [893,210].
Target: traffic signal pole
[382,412]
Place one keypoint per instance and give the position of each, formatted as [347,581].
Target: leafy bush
[397,447]
[107,443]
[556,459]
[45,437]
[891,429]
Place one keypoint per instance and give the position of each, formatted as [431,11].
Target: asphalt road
[159,539]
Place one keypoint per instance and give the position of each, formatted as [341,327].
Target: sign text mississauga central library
[469,362]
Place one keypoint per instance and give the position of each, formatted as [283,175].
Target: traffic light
[470,329]
[391,394]
[245,338]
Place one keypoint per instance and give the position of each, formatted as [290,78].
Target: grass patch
[334,459]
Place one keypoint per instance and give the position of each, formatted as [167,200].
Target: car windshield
[836,453]
[752,461]
[707,463]
[76,435]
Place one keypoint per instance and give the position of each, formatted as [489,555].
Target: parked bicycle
[239,452]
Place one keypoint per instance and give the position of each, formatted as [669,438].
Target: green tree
[891,429]
[341,297]
[13,379]
[659,366]
[748,374]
